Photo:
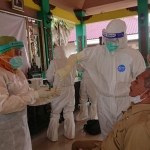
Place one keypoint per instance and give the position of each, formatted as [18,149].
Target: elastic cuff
[36,95]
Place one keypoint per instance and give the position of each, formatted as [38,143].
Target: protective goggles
[112,35]
[11,45]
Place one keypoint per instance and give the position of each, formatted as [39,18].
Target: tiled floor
[40,141]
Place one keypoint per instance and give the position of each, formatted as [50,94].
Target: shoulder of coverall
[51,62]
[131,52]
[91,53]
[94,49]
[8,76]
[3,72]
[59,61]
[59,52]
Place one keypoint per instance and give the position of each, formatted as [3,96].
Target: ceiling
[92,7]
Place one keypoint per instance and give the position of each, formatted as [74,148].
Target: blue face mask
[111,47]
[16,62]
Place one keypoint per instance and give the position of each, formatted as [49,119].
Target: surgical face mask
[111,46]
[16,62]
[137,99]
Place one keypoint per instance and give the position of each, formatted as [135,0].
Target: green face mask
[111,47]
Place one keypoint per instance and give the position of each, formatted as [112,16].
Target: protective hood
[59,52]
[118,26]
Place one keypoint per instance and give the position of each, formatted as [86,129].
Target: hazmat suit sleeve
[54,92]
[138,65]
[72,60]
[17,102]
[51,73]
[10,103]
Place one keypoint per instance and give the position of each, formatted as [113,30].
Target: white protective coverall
[112,73]
[87,91]
[15,95]
[66,101]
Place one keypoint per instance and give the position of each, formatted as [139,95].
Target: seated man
[133,130]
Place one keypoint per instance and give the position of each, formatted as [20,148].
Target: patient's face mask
[112,44]
[137,99]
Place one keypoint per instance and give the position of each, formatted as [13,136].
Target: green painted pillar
[45,17]
[81,41]
[143,27]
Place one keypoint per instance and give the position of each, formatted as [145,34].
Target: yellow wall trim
[62,14]
[111,15]
[30,4]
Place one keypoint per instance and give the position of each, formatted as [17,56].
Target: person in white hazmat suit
[66,101]
[87,91]
[15,95]
[112,67]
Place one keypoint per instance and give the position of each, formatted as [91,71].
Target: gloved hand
[63,72]
[72,60]
[55,92]
[43,92]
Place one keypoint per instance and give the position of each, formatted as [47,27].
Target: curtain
[11,25]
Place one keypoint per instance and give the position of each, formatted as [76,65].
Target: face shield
[10,52]
[10,46]
[112,40]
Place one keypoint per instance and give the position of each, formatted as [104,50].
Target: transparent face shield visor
[112,39]
[112,35]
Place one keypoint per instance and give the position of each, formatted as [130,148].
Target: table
[39,116]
